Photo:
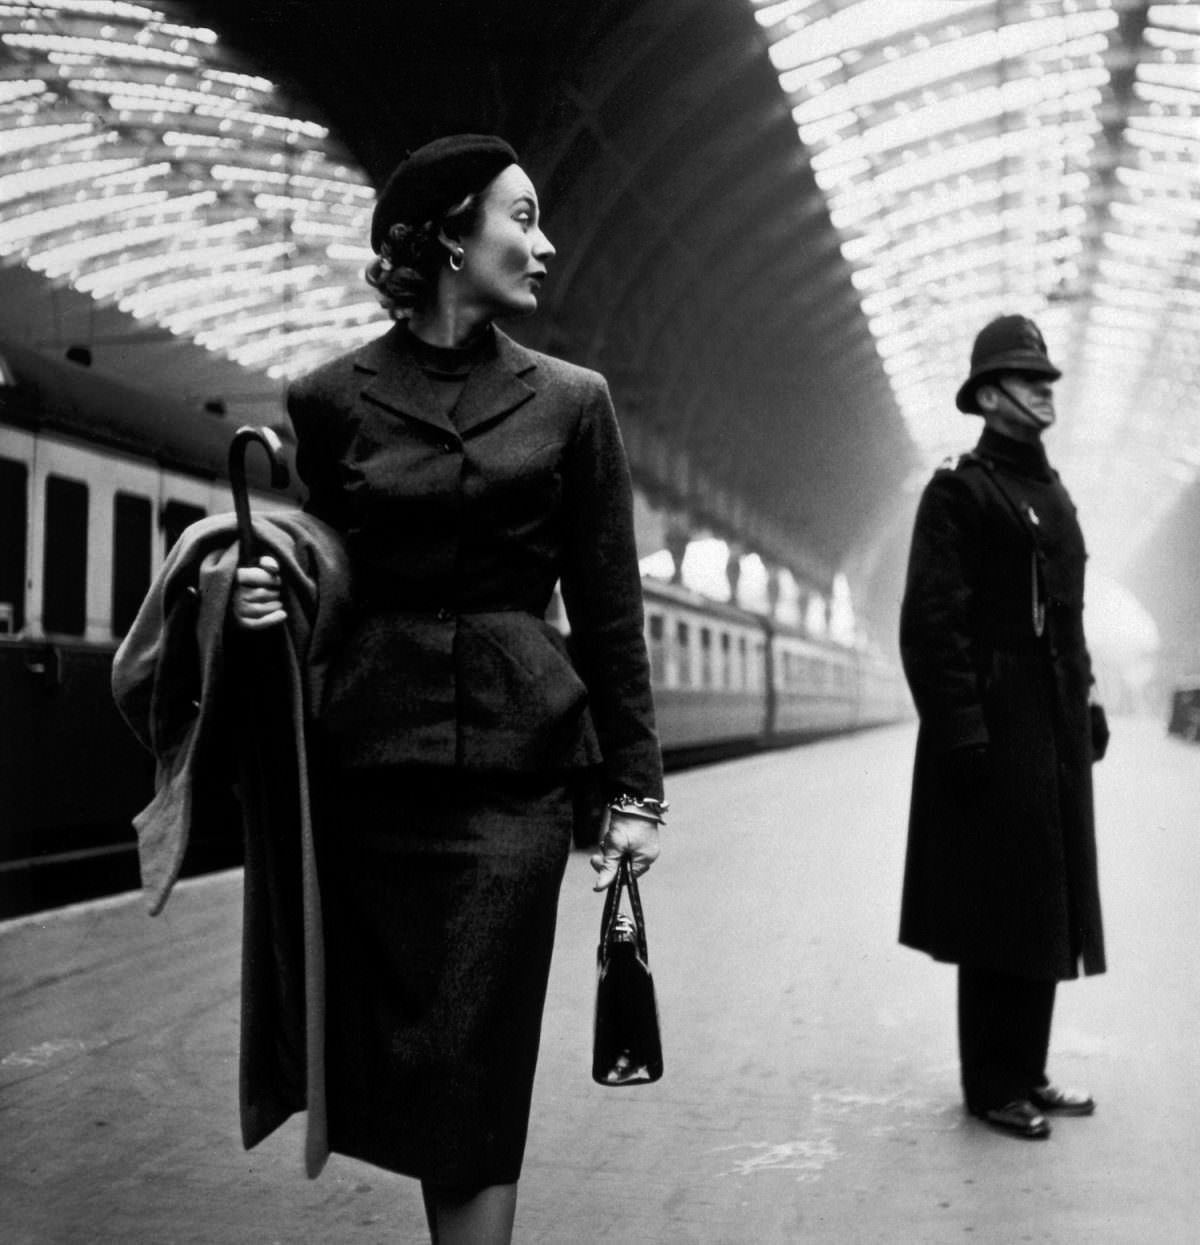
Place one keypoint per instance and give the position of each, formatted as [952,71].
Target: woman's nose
[543,247]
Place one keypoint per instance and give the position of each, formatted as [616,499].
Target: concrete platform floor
[811,1084]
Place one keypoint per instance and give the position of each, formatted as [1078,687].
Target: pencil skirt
[440,894]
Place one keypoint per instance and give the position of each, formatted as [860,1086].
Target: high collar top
[450,361]
[449,367]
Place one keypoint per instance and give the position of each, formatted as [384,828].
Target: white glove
[258,595]
[625,835]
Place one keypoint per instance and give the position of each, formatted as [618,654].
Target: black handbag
[626,1046]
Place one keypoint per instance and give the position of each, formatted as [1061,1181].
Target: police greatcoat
[1001,874]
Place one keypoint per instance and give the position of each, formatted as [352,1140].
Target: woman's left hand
[625,835]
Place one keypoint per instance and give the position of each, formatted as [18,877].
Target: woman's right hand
[258,596]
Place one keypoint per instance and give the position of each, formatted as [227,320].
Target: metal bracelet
[639,806]
[638,815]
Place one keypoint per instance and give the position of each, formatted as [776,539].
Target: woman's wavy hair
[404,273]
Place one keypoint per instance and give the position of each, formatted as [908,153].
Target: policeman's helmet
[1007,344]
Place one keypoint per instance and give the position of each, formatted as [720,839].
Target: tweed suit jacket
[458,529]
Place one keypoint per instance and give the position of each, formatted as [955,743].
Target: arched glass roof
[987,156]
[142,165]
[976,157]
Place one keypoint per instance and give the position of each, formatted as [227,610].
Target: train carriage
[708,669]
[815,687]
[726,677]
[96,483]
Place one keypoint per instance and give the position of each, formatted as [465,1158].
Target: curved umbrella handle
[269,440]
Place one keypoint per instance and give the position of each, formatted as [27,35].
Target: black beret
[432,179]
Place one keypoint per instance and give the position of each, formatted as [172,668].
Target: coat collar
[498,384]
[1024,457]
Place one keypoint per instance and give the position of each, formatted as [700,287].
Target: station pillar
[733,571]
[678,536]
[774,589]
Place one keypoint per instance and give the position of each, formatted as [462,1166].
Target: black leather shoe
[1062,1101]
[1020,1118]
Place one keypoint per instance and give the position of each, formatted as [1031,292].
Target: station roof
[779,222]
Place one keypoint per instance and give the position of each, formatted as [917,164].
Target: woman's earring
[456,261]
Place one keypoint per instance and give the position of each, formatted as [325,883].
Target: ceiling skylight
[143,166]
[983,156]
[977,157]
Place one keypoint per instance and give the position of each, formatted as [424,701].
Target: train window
[14,530]
[133,536]
[706,657]
[658,650]
[64,566]
[176,515]
[743,664]
[726,678]
[683,640]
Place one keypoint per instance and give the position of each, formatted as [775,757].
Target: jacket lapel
[397,382]
[498,385]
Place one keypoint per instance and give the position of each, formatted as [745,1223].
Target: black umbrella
[272,961]
[242,439]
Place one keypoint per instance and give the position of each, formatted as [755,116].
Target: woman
[468,475]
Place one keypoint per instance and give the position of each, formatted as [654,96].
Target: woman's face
[504,260]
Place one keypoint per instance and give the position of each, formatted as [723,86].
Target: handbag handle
[612,905]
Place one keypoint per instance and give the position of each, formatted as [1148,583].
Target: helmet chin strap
[1039,420]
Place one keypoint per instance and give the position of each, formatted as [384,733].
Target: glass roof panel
[1008,155]
[143,166]
[977,157]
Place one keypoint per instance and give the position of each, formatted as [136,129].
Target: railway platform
[810,1092]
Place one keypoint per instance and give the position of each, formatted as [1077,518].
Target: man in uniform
[1000,876]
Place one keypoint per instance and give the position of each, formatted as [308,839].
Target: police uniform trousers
[440,894]
[1003,1035]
